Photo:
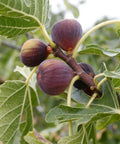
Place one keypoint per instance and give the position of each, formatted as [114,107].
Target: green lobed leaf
[116,80]
[17,138]
[112,74]
[28,124]
[104,122]
[18,16]
[25,71]
[109,97]
[85,135]
[14,99]
[97,50]
[7,62]
[115,75]
[75,139]
[35,138]
[63,113]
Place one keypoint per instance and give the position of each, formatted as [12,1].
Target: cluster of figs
[54,75]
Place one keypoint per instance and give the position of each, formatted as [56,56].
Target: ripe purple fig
[33,52]
[54,76]
[90,92]
[66,33]
[81,85]
[89,70]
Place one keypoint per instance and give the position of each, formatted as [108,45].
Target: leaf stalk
[69,101]
[43,29]
[33,71]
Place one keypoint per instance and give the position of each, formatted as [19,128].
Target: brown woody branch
[9,44]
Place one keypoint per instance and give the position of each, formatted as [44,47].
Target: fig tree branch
[87,79]
[8,44]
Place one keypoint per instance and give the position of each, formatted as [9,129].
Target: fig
[54,76]
[81,85]
[90,92]
[89,70]
[33,52]
[66,33]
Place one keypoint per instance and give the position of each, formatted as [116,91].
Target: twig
[95,94]
[10,45]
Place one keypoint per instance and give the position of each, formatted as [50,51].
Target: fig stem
[33,71]
[70,89]
[95,94]
[70,128]
[101,82]
[43,29]
[89,32]
[91,100]
[69,101]
[97,76]
[30,102]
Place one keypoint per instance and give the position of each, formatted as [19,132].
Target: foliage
[20,109]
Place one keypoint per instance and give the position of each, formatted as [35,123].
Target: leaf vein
[9,125]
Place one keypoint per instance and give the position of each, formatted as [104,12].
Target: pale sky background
[91,10]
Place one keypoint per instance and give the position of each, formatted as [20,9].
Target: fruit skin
[33,52]
[54,76]
[89,92]
[66,33]
[89,70]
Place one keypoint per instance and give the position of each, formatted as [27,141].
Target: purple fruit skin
[54,76]
[66,33]
[89,92]
[89,70]
[33,52]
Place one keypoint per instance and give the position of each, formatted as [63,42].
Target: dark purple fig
[33,52]
[90,92]
[89,70]
[54,76]
[66,33]
[81,85]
